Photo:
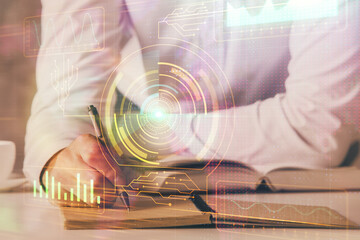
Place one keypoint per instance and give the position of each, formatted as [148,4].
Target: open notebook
[193,210]
[186,175]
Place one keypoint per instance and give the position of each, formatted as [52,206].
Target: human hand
[84,156]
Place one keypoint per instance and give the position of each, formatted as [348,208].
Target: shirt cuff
[37,158]
[189,140]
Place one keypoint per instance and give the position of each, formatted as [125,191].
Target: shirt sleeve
[59,115]
[313,123]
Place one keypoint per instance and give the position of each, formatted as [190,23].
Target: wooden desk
[21,217]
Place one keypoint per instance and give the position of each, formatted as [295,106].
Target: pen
[95,119]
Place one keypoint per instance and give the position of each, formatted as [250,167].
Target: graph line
[69,20]
[285,206]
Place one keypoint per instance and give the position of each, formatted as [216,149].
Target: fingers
[97,157]
[83,174]
[71,182]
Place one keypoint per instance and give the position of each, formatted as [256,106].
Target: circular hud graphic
[153,117]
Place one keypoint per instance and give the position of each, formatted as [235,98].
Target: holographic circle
[159,99]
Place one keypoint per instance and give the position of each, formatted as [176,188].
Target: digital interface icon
[149,121]
[86,27]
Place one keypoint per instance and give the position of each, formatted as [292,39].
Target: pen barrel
[95,119]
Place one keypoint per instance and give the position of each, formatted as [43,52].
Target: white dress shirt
[296,95]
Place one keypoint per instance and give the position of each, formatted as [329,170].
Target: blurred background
[17,73]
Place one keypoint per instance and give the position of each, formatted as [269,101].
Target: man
[295,94]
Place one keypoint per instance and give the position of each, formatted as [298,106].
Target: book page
[145,212]
[205,174]
[342,178]
[232,211]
